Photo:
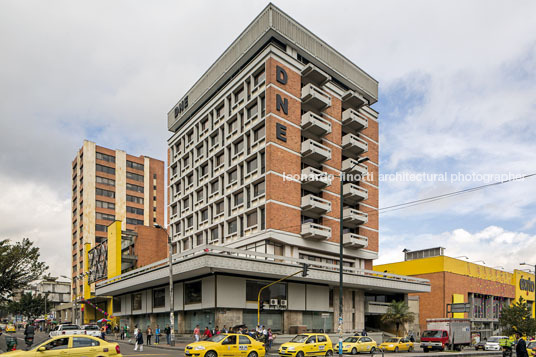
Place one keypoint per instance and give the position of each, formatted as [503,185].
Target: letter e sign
[281,132]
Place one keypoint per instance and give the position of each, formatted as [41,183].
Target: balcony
[354,120]
[315,152]
[314,180]
[314,206]
[313,97]
[352,217]
[353,193]
[352,99]
[312,73]
[315,124]
[376,308]
[351,167]
[353,146]
[352,240]
[315,231]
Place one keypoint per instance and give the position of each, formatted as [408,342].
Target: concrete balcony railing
[350,168]
[354,120]
[352,99]
[376,308]
[315,231]
[352,240]
[353,218]
[314,206]
[314,180]
[315,124]
[314,97]
[315,152]
[352,193]
[353,145]
[315,75]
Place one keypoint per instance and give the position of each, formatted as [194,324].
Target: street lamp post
[341,250]
[534,266]
[171,298]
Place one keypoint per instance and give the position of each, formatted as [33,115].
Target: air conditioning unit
[273,302]
[283,303]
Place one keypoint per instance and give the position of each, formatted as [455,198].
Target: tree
[398,313]
[19,266]
[517,318]
[29,305]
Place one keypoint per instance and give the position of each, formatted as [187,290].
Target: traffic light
[304,272]
[261,306]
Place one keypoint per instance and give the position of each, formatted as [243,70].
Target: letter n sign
[281,103]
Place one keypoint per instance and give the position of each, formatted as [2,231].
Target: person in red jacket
[207,334]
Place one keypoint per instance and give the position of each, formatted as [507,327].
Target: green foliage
[31,306]
[19,266]
[398,313]
[517,318]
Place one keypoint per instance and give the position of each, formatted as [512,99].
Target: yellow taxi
[11,328]
[74,345]
[358,344]
[396,344]
[307,344]
[226,344]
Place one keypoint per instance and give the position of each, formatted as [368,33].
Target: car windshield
[392,340]
[70,327]
[299,338]
[351,339]
[494,339]
[91,327]
[531,344]
[217,338]
[432,333]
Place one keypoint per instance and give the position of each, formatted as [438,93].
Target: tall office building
[256,151]
[110,185]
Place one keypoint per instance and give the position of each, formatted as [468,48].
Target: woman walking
[149,335]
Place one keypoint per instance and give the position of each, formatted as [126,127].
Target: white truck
[66,329]
[445,333]
[92,330]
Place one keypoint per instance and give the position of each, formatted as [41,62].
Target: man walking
[197,333]
[521,346]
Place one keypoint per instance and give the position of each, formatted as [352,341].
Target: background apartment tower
[110,185]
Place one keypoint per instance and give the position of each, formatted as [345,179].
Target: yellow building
[485,289]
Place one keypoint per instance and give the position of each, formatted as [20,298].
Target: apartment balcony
[315,124]
[313,179]
[314,206]
[353,145]
[314,151]
[352,99]
[352,217]
[351,167]
[312,73]
[314,97]
[354,120]
[352,240]
[353,193]
[315,231]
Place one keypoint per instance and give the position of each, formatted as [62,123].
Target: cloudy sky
[457,95]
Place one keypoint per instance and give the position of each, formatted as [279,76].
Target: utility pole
[171,298]
[341,250]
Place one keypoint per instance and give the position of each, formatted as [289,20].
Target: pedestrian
[224,329]
[207,334]
[270,340]
[197,333]
[216,331]
[157,335]
[364,333]
[139,339]
[103,332]
[167,331]
[521,346]
[149,335]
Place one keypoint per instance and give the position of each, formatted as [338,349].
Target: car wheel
[410,349]
[396,349]
[253,354]
[372,350]
[299,354]
[211,354]
[329,353]
[354,351]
